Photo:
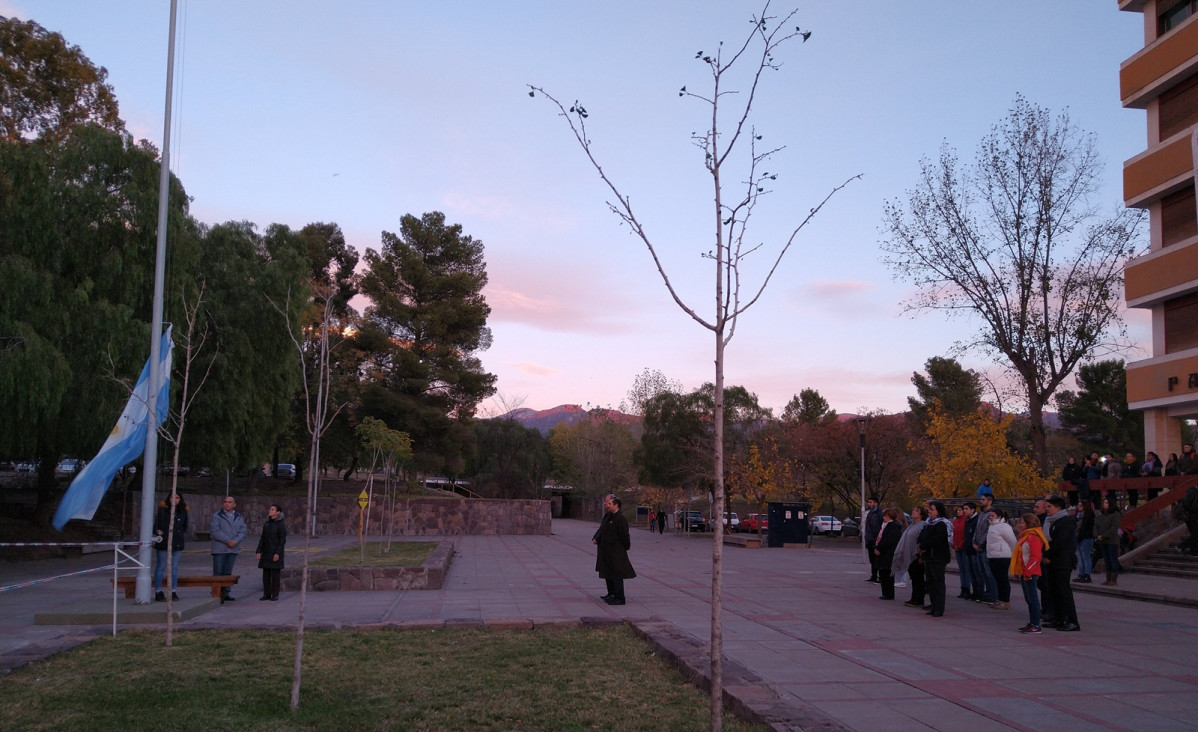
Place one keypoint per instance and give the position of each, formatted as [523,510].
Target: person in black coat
[887,542]
[869,535]
[935,549]
[162,524]
[1058,562]
[614,542]
[270,552]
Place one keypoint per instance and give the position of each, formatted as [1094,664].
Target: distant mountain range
[546,419]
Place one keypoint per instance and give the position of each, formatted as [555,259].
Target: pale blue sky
[360,112]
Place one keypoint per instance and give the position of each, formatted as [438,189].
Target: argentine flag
[124,444]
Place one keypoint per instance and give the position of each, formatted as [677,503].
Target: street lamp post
[861,423]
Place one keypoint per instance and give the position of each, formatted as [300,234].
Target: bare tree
[731,214]
[317,379]
[193,339]
[1013,240]
[646,385]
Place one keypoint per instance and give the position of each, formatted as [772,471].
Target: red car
[755,521]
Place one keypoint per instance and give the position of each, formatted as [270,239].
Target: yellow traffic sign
[363,499]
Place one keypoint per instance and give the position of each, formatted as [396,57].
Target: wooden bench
[215,584]
[745,540]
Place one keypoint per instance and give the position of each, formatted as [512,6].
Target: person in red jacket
[959,553]
[1025,566]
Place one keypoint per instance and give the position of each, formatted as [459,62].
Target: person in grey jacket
[228,531]
[981,563]
[906,557]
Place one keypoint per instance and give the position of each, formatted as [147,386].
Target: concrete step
[1166,570]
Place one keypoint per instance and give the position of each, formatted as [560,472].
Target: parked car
[285,470]
[731,521]
[755,521]
[68,467]
[826,525]
[182,472]
[849,527]
[690,521]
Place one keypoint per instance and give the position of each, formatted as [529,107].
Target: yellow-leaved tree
[963,451]
[757,474]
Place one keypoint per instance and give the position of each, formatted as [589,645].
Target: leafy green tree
[808,407]
[253,370]
[510,460]
[959,390]
[427,321]
[49,88]
[1014,241]
[1097,412]
[78,221]
[595,455]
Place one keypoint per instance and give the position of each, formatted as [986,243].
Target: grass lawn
[402,554]
[455,679]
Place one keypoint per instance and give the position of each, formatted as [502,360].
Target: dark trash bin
[788,523]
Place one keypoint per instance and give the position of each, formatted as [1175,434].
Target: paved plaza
[808,642]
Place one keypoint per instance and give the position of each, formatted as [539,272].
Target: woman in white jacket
[1000,541]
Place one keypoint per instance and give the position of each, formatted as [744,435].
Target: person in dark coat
[661,521]
[887,542]
[612,560]
[270,552]
[935,549]
[1058,560]
[162,524]
[873,524]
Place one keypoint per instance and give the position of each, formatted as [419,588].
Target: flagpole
[149,474]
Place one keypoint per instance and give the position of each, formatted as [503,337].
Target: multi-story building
[1162,79]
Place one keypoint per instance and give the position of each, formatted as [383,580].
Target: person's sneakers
[1069,627]
[872,579]
[264,597]
[1030,629]
[606,597]
[1000,605]
[174,596]
[159,597]
[615,601]
[900,584]
[229,598]
[964,595]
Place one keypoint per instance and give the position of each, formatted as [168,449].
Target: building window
[1173,15]
[1179,108]
[1179,219]
[1181,323]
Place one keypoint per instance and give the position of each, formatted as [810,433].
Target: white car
[826,525]
[732,521]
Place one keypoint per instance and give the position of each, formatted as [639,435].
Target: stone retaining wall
[413,516]
[428,576]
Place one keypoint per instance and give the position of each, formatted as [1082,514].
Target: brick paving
[807,643]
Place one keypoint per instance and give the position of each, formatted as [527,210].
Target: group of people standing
[1106,467]
[227,530]
[1039,550]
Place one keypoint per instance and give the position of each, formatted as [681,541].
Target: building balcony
[1164,381]
[1158,171]
[1162,274]
[1157,66]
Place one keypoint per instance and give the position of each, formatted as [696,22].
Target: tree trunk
[1035,409]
